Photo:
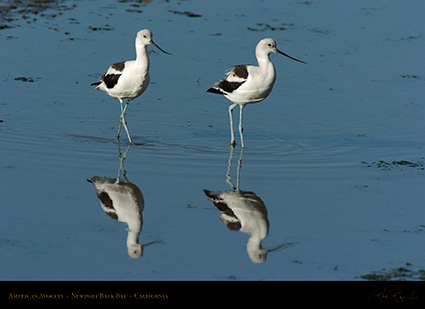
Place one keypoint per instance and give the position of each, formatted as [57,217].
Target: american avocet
[246,84]
[123,201]
[244,211]
[129,79]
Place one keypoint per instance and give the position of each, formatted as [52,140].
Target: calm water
[334,159]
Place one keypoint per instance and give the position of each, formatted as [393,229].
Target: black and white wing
[111,77]
[235,78]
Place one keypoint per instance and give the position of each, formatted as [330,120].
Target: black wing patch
[224,209]
[241,71]
[235,78]
[108,204]
[110,80]
[225,86]
[105,199]
[119,66]
[229,86]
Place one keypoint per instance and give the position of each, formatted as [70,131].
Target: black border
[211,292]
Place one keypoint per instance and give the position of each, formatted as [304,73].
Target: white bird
[244,211]
[122,201]
[246,84]
[126,80]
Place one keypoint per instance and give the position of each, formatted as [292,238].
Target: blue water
[336,152]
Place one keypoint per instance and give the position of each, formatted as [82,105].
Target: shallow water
[335,153]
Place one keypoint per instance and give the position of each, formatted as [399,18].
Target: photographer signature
[393,295]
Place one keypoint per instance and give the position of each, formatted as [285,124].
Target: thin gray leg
[121,116]
[232,134]
[124,122]
[240,126]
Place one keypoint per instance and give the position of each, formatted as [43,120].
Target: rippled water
[334,156]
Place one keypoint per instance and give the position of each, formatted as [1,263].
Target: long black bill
[282,53]
[153,43]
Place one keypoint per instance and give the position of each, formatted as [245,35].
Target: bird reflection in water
[244,211]
[123,201]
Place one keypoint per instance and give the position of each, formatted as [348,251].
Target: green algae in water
[396,274]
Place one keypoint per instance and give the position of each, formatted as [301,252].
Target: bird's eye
[144,36]
[270,44]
